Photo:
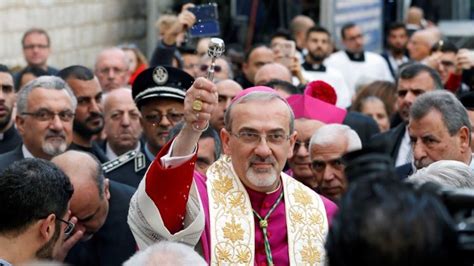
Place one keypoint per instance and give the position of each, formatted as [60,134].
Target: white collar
[26,152]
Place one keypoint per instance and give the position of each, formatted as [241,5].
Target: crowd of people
[148,162]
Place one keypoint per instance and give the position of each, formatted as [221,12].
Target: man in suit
[439,129]
[89,118]
[9,138]
[160,102]
[101,208]
[45,111]
[414,80]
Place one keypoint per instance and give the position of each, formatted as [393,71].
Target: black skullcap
[161,82]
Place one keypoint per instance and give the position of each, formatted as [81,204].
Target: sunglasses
[204,68]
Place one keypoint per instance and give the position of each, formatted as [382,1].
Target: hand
[205,91]
[195,120]
[433,60]
[61,252]
[186,18]
[295,68]
[465,59]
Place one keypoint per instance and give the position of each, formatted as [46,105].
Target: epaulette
[123,159]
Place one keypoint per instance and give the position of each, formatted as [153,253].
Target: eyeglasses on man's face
[69,228]
[173,117]
[204,68]
[250,137]
[47,115]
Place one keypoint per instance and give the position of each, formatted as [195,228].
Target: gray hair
[263,96]
[166,253]
[448,173]
[45,82]
[330,134]
[452,111]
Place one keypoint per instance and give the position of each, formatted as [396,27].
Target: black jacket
[9,157]
[395,136]
[113,243]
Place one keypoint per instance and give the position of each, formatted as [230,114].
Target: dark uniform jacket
[129,168]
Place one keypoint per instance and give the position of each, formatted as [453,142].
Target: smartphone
[284,52]
[207,23]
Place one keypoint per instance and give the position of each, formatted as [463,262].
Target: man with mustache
[89,119]
[248,211]
[45,113]
[159,98]
[9,138]
[414,79]
[439,129]
[35,213]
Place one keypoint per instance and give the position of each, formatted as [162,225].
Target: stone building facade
[78,29]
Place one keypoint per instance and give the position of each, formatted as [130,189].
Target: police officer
[159,94]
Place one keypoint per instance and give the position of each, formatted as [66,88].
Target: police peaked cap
[161,82]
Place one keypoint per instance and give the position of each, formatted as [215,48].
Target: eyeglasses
[33,46]
[46,115]
[116,70]
[204,68]
[254,138]
[299,144]
[173,117]
[69,228]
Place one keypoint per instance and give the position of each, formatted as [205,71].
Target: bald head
[111,67]
[299,26]
[90,201]
[272,71]
[420,43]
[414,15]
[120,96]
[85,174]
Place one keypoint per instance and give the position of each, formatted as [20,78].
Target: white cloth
[334,78]
[395,63]
[26,152]
[145,220]
[405,154]
[373,68]
[471,165]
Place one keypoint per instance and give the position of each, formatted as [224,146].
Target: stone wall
[78,29]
